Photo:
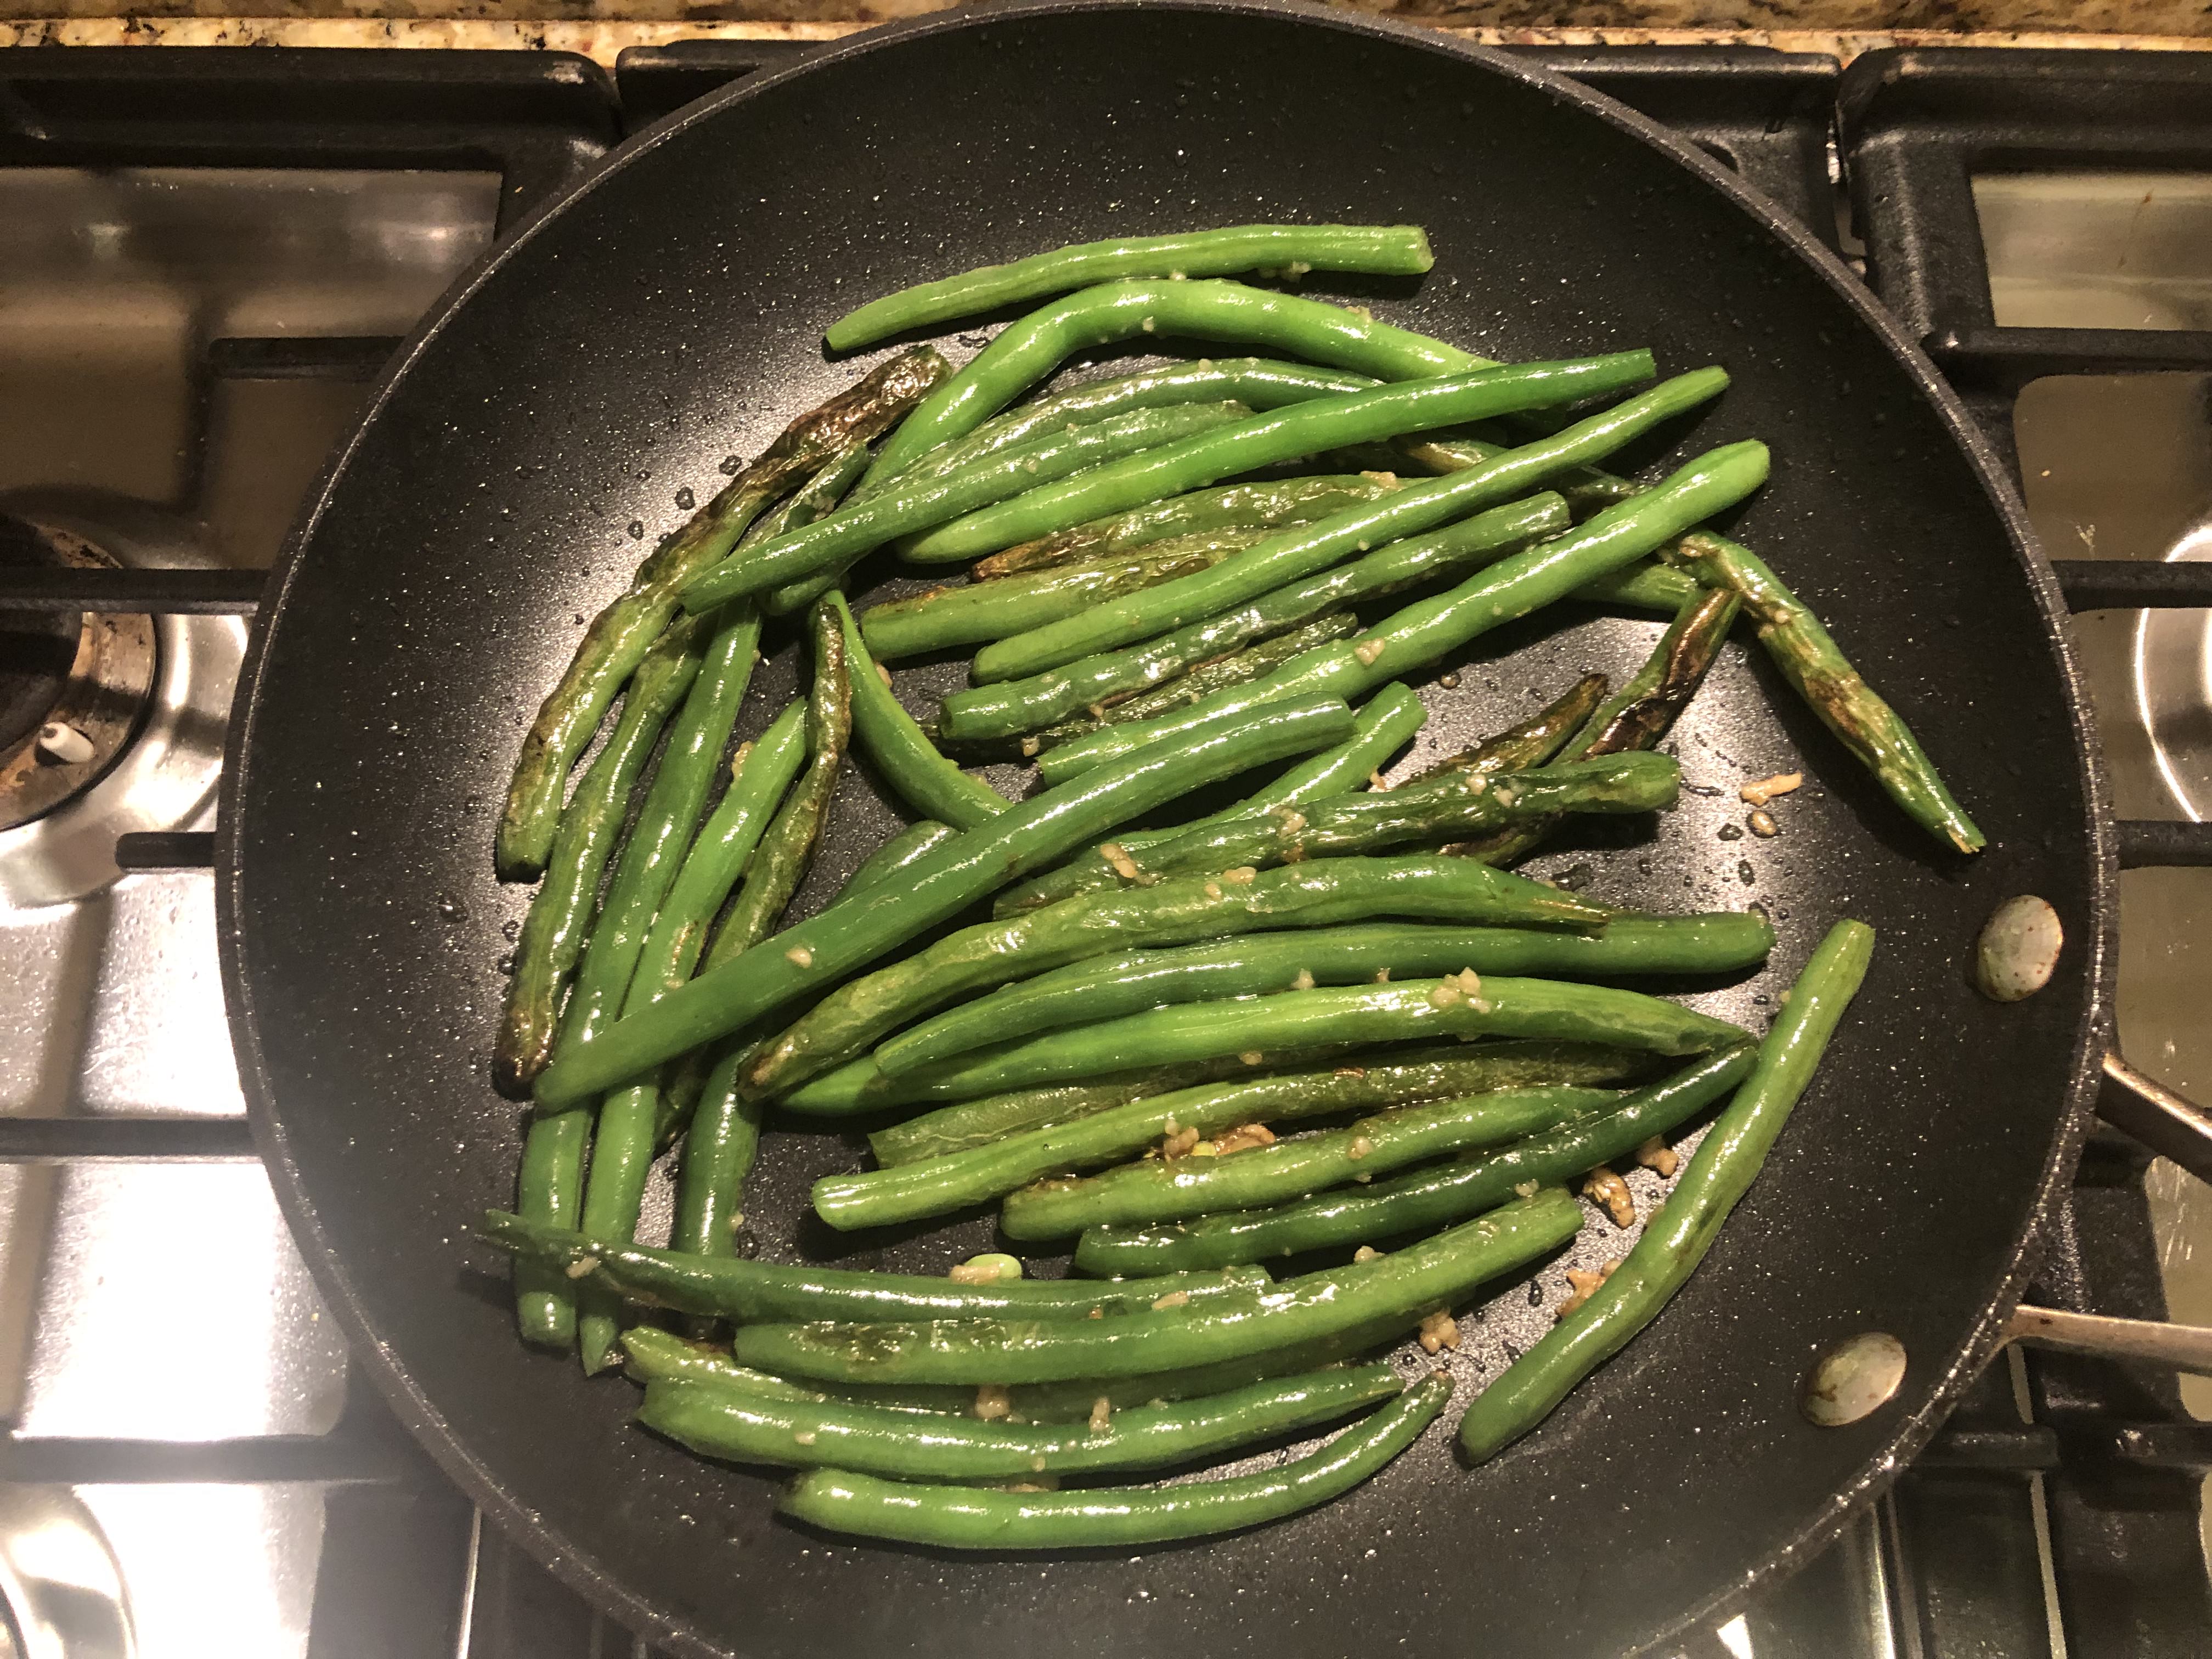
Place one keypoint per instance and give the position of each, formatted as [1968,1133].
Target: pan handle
[2181,1347]
[2169,1124]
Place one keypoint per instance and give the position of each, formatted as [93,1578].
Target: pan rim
[571,1563]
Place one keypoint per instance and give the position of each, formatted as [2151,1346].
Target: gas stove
[204,256]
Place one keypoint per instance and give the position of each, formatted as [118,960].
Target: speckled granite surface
[2129,17]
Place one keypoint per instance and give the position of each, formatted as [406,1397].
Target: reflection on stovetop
[182,338]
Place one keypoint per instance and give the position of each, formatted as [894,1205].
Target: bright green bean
[1642,586]
[894,855]
[938,1184]
[1173,913]
[968,1124]
[725,1287]
[1287,434]
[902,752]
[1253,662]
[831,946]
[1031,348]
[1421,1008]
[945,618]
[1727,1162]
[1169,1189]
[749,1427]
[1405,1286]
[1023,705]
[963,1518]
[724,1138]
[1292,554]
[1265,505]
[1384,250]
[1512,588]
[1426,1199]
[1106,987]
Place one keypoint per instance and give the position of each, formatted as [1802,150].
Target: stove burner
[125,734]
[2174,686]
[73,689]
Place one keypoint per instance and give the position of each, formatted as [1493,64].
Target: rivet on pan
[1850,1379]
[2018,949]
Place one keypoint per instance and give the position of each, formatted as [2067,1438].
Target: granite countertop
[601,28]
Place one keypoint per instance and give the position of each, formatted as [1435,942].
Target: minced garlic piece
[1252,1056]
[1439,1331]
[1179,1144]
[1242,876]
[1172,1299]
[1761,823]
[801,955]
[1361,1146]
[1304,982]
[1212,889]
[1102,1414]
[1525,1188]
[1367,651]
[1381,977]
[581,1266]
[1766,789]
[1115,855]
[1377,781]
[1245,1135]
[804,1437]
[1657,1154]
[1366,1252]
[1585,1285]
[1446,994]
[993,1402]
[1612,1194]
[883,674]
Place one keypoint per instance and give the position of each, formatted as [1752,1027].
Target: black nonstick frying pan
[532,442]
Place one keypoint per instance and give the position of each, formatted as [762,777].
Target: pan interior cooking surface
[537,444]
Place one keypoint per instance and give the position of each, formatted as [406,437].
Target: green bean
[1031,348]
[929,1185]
[661,832]
[963,1518]
[655,1355]
[1283,435]
[1727,1162]
[1292,554]
[1586,488]
[652,1355]
[1264,506]
[1460,1005]
[944,617]
[1169,1189]
[1533,741]
[1236,668]
[832,945]
[725,1132]
[970,1123]
[1405,1287]
[759,774]
[868,521]
[1175,912]
[1810,660]
[747,1427]
[549,1186]
[1434,810]
[1257,382]
[1023,705]
[1106,987]
[902,752]
[1385,249]
[1427,1198]
[894,855]
[725,1287]
[1642,586]
[819,495]
[620,635]
[560,916]
[1633,719]
[1508,590]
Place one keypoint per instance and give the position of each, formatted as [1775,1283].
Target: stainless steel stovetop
[163,1302]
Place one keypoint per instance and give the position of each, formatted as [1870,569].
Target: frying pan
[530,443]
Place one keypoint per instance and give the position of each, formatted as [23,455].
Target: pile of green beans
[1155,608]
